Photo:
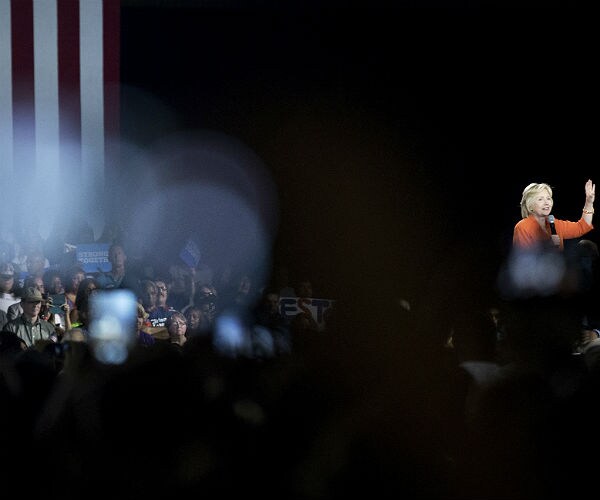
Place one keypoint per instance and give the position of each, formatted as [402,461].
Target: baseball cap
[31,294]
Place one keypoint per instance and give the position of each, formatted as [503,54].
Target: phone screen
[58,300]
[113,317]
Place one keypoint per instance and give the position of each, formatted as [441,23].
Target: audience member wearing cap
[7,284]
[15,310]
[30,326]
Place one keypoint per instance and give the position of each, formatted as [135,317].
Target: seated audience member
[206,299]
[80,315]
[119,275]
[146,295]
[73,277]
[197,324]
[177,326]
[7,286]
[160,313]
[53,282]
[30,326]
[15,310]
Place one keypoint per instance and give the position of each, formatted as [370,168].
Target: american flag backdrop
[59,109]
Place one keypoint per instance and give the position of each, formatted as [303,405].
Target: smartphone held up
[113,316]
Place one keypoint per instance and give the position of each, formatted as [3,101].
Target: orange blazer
[529,233]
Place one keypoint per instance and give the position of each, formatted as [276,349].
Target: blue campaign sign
[93,257]
[190,253]
[290,306]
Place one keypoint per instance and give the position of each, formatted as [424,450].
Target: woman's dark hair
[70,273]
[49,275]
[82,295]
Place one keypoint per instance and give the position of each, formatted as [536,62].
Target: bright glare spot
[111,352]
[230,336]
[533,273]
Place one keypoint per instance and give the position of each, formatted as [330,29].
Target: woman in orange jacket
[538,227]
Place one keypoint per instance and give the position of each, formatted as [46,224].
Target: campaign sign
[290,306]
[93,257]
[190,253]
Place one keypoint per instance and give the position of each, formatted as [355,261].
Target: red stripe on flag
[69,88]
[23,88]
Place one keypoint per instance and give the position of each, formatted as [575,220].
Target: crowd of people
[479,391]
[176,295]
[192,374]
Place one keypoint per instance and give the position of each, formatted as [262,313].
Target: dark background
[399,141]
[399,138]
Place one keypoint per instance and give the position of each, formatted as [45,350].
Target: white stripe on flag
[92,95]
[6,114]
[56,63]
[45,57]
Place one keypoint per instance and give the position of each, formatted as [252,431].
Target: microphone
[551,221]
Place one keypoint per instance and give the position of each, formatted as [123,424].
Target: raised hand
[590,191]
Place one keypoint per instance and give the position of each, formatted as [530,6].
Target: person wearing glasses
[177,327]
[159,315]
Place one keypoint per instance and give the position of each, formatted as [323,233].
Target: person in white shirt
[7,284]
